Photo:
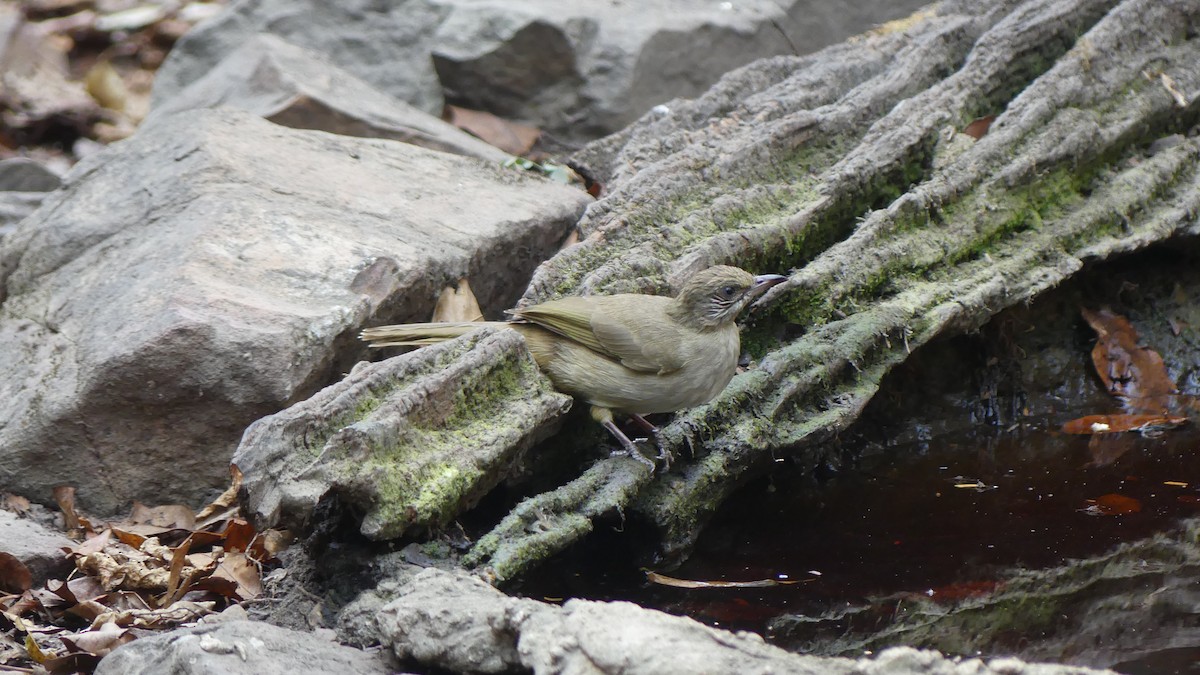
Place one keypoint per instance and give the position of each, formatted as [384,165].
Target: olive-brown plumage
[631,354]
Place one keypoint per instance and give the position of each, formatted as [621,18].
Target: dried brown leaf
[241,570]
[978,128]
[512,137]
[180,612]
[64,496]
[1130,371]
[15,577]
[457,305]
[98,641]
[169,517]
[15,503]
[227,500]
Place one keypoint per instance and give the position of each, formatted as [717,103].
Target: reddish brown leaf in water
[1113,505]
[1106,424]
[963,590]
[1131,372]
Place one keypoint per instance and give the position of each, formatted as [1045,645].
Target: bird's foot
[629,447]
[635,454]
[646,425]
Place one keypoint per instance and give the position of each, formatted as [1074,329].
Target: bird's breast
[709,363]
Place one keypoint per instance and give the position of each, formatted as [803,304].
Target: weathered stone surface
[411,441]
[576,70]
[581,70]
[40,549]
[23,185]
[455,622]
[25,175]
[836,165]
[249,647]
[299,89]
[385,44]
[17,206]
[211,270]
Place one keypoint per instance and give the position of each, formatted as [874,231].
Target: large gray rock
[250,647]
[578,70]
[38,548]
[385,44]
[301,89]
[211,270]
[454,622]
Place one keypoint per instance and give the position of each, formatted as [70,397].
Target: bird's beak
[763,282]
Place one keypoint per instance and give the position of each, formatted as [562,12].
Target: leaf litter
[159,568]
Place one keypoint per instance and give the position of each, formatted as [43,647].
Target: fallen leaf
[15,577]
[664,580]
[1180,98]
[98,641]
[227,500]
[1112,505]
[1106,424]
[963,590]
[173,516]
[456,305]
[15,503]
[978,128]
[64,496]
[1131,372]
[512,137]
[241,570]
[105,85]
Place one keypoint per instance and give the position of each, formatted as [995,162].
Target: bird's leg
[605,418]
[647,426]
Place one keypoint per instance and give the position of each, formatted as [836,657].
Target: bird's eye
[729,291]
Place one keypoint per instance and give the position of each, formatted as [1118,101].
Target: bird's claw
[635,454]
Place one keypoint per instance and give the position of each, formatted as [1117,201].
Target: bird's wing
[649,346]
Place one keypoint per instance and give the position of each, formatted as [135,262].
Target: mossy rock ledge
[851,170]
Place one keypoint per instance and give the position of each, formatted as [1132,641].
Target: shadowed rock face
[209,271]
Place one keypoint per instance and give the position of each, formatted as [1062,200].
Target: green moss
[425,473]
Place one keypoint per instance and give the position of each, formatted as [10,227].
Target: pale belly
[606,383]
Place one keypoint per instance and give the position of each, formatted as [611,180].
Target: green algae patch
[413,441]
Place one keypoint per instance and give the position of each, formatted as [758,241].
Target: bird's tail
[417,334]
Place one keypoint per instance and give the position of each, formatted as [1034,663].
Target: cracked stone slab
[214,269]
[576,70]
[456,622]
[236,647]
[297,88]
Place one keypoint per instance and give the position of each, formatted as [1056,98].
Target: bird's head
[715,296]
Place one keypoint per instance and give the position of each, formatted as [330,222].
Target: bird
[630,354]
